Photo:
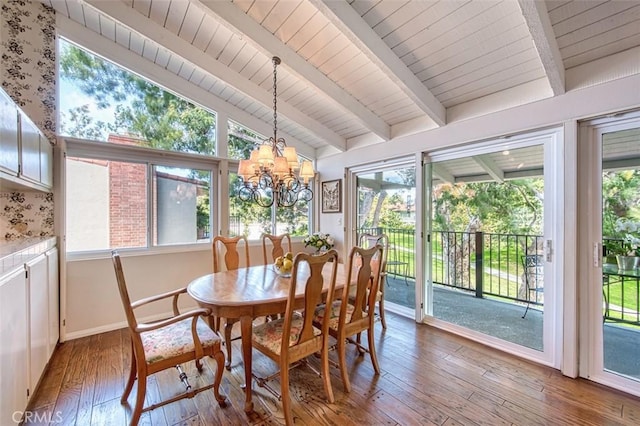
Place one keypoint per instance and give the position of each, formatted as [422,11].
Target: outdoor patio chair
[533,265]
[395,263]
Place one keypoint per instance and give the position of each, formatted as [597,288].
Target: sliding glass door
[386,204]
[490,247]
[611,332]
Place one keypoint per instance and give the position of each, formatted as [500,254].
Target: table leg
[246,324]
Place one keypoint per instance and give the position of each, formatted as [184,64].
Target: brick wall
[127,200]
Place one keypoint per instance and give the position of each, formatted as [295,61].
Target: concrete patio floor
[504,320]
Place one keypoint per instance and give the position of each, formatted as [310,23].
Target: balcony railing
[491,264]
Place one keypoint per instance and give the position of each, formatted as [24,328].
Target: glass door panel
[621,241]
[487,236]
[386,205]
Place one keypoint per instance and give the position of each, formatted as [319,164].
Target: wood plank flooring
[429,377]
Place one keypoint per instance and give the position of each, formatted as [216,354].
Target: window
[242,140]
[249,219]
[121,198]
[130,192]
[102,101]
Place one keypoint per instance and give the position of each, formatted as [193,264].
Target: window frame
[149,157]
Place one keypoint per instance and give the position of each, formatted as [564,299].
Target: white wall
[92,193]
[93,304]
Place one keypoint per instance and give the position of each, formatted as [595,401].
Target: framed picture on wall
[332,196]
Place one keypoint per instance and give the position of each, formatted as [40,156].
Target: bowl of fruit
[284,264]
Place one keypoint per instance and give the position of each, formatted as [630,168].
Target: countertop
[16,253]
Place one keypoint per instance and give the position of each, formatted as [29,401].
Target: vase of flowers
[319,242]
[628,252]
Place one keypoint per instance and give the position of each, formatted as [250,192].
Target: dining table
[252,292]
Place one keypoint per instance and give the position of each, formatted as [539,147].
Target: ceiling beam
[442,173]
[537,18]
[136,22]
[490,167]
[114,52]
[270,45]
[356,29]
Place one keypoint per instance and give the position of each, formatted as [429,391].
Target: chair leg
[142,390]
[525,311]
[372,349]
[227,341]
[383,320]
[219,357]
[286,396]
[342,361]
[326,376]
[132,377]
[361,351]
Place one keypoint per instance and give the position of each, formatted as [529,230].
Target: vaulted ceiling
[364,71]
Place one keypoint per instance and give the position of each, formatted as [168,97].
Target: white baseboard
[114,326]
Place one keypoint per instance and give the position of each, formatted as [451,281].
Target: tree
[78,123]
[620,198]
[461,209]
[163,119]
[143,109]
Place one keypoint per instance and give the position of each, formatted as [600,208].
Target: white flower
[631,242]
[319,240]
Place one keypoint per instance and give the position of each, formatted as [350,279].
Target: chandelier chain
[276,61]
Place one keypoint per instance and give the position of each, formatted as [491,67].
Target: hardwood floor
[429,377]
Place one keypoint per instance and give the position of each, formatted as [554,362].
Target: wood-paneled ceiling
[363,71]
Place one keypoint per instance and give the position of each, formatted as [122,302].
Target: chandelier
[273,174]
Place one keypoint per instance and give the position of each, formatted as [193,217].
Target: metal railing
[491,264]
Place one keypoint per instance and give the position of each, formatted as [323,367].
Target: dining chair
[351,316]
[370,240]
[228,249]
[292,338]
[276,244]
[533,265]
[167,343]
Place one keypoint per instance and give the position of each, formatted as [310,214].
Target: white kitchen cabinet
[26,155]
[14,369]
[9,153]
[38,291]
[46,162]
[29,150]
[54,300]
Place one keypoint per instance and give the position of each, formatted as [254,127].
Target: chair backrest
[533,269]
[370,240]
[229,247]
[364,270]
[124,293]
[313,296]
[276,246]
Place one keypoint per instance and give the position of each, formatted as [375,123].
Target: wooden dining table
[249,293]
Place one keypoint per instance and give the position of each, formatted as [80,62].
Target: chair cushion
[319,314]
[176,339]
[269,334]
